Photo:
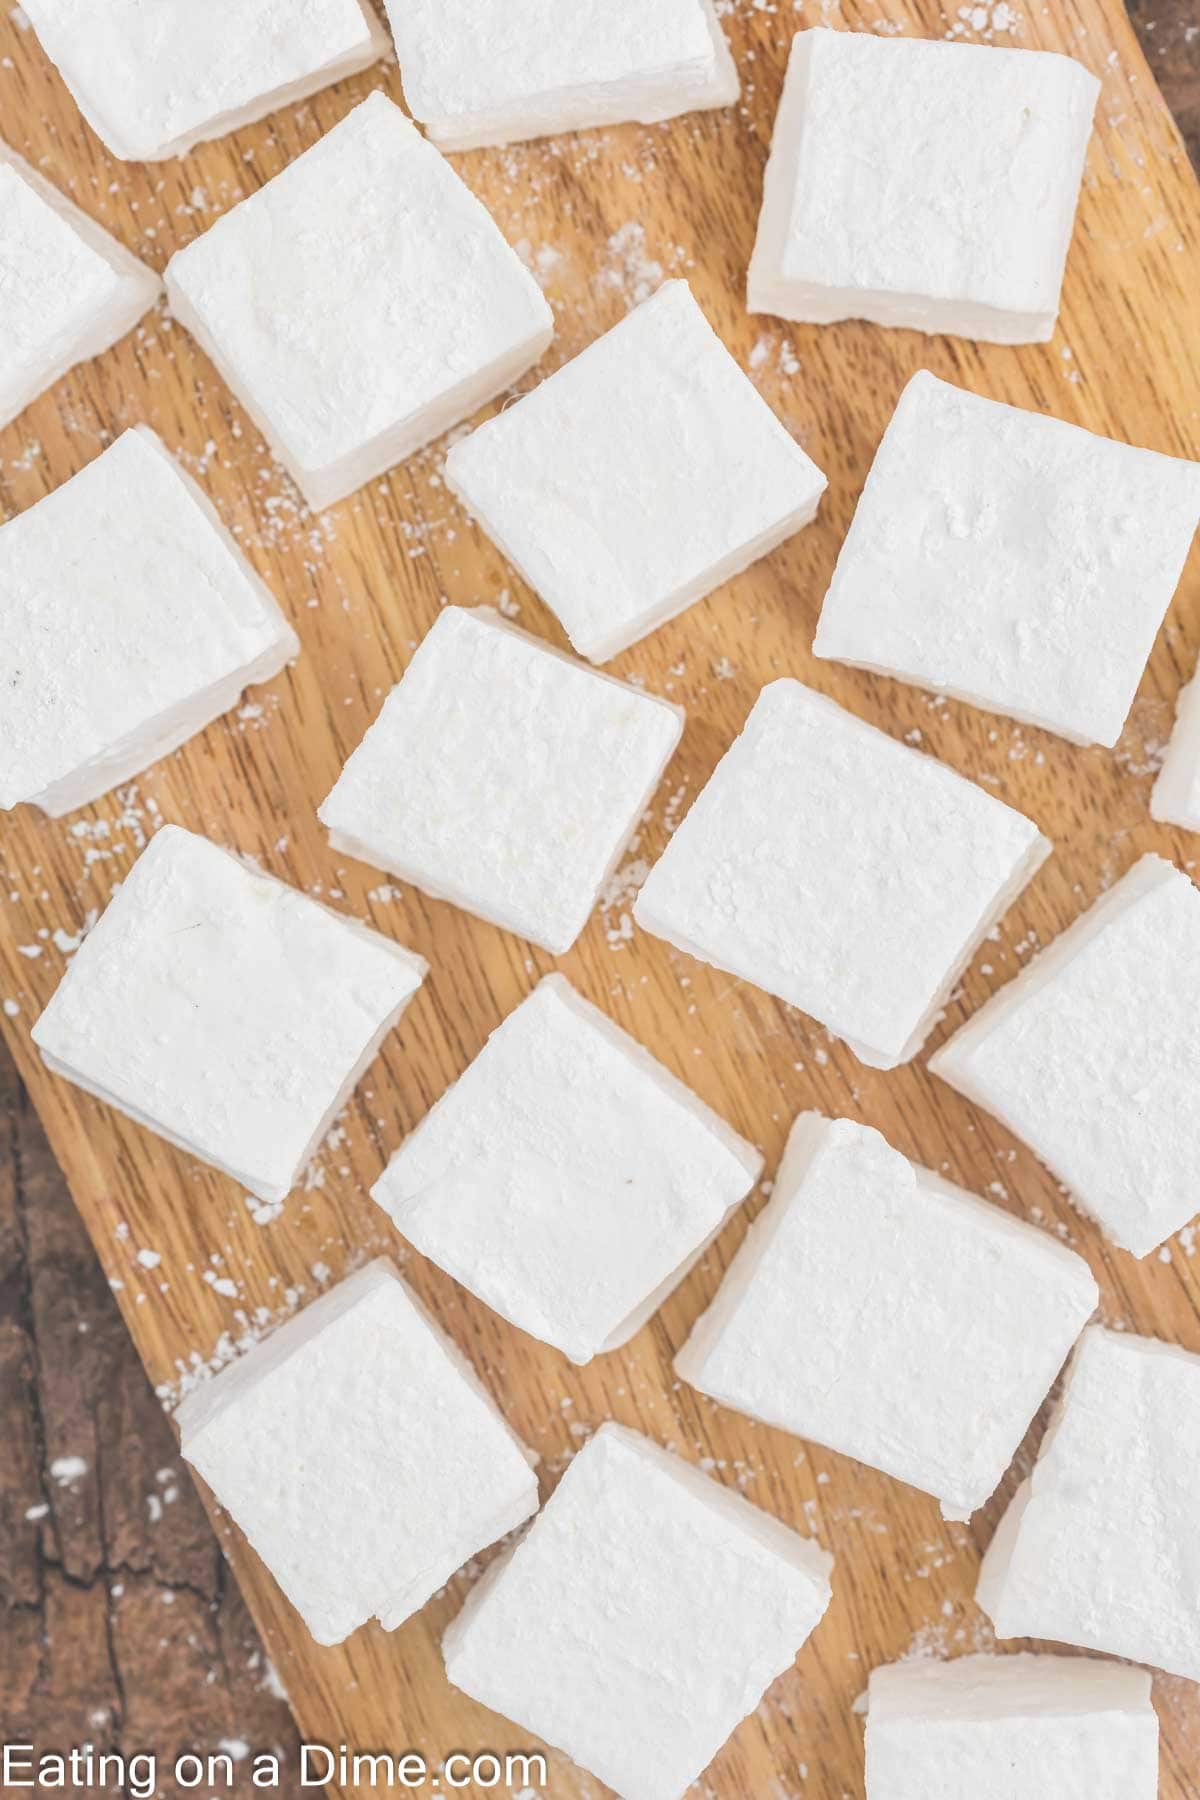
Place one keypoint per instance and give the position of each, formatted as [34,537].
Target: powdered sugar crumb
[66,1470]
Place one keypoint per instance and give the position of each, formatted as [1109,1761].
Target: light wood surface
[603,216]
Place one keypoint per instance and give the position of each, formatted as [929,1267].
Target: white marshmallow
[154,79]
[1092,1056]
[1097,1548]
[1011,1728]
[638,478]
[845,873]
[225,1011]
[131,620]
[1176,795]
[495,71]
[566,1178]
[357,1451]
[922,184]
[1010,560]
[503,777]
[880,1311]
[360,304]
[641,1618]
[67,289]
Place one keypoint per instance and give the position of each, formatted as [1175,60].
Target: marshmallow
[67,289]
[503,777]
[495,71]
[638,478]
[1176,795]
[1011,1728]
[1097,1548]
[641,1618]
[923,184]
[1092,1056]
[566,1178]
[845,873]
[131,621]
[154,79]
[360,304]
[1011,560]
[225,1011]
[357,1451]
[880,1311]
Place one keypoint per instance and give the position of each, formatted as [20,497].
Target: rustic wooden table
[118,1616]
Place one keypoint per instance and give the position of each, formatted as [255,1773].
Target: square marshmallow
[922,184]
[567,1178]
[360,304]
[1097,1548]
[496,71]
[67,289]
[638,478]
[1011,1728]
[1176,795]
[641,1619]
[131,620]
[503,777]
[878,1310]
[225,1011]
[357,1451]
[1092,1057]
[1010,560]
[845,873]
[154,77]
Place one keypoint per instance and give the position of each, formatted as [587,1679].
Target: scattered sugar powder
[616,900]
[996,18]
[69,941]
[628,270]
[542,263]
[68,1469]
[250,1329]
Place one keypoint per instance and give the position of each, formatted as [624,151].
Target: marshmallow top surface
[1098,1548]
[1012,559]
[912,168]
[359,1455]
[357,288]
[1176,796]
[223,1008]
[476,56]
[879,1311]
[642,1617]
[1092,1056]
[67,289]
[566,1176]
[123,598]
[518,66]
[152,78]
[1011,1727]
[842,871]
[503,776]
[626,480]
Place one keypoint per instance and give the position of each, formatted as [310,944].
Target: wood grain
[603,216]
[119,1621]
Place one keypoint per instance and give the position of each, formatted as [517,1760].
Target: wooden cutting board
[603,216]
